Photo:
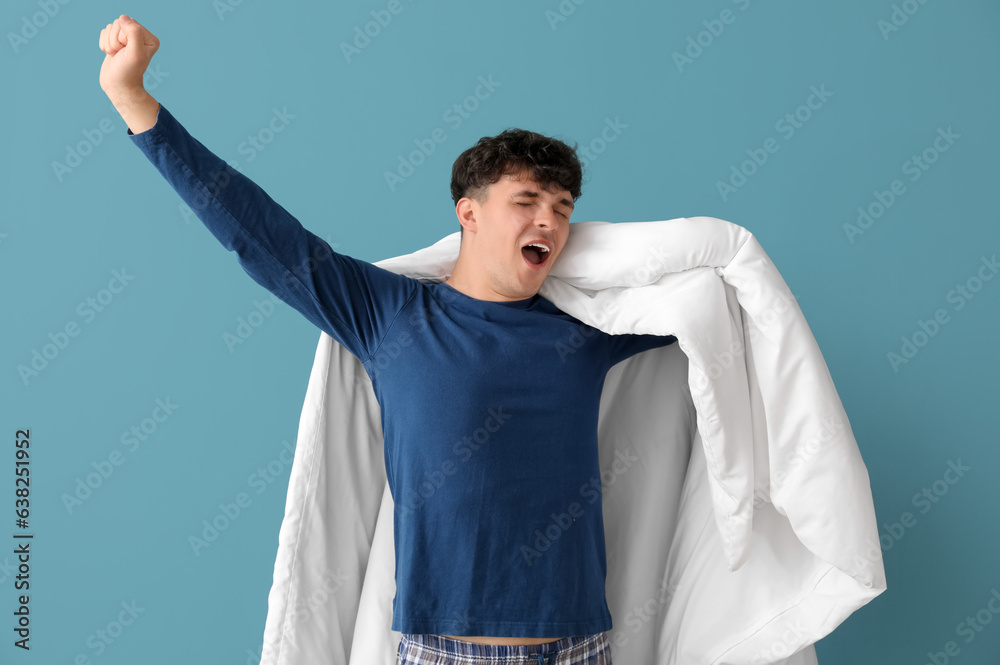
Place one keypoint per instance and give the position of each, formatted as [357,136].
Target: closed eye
[558,211]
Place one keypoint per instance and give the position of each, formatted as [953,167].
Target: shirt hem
[503,628]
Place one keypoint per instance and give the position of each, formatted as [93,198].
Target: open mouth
[535,254]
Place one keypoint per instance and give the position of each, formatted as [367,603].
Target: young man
[483,353]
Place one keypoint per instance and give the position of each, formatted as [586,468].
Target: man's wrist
[127,97]
[137,107]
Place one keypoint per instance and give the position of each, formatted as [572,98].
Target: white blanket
[738,514]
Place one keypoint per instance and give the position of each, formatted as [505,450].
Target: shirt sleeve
[353,301]
[626,346]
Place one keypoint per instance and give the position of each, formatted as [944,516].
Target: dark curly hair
[548,160]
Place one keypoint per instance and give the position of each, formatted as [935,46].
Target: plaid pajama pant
[427,649]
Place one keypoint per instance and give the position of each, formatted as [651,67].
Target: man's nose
[546,218]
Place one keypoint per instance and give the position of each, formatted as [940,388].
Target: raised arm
[122,70]
[352,300]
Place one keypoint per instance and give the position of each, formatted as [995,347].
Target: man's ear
[466,210]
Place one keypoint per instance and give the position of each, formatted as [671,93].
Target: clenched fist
[129,48]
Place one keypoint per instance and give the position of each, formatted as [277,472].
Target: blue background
[222,69]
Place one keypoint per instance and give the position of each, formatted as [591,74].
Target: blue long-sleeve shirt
[489,414]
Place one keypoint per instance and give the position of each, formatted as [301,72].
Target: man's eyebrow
[534,195]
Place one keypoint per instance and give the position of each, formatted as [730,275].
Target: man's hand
[129,47]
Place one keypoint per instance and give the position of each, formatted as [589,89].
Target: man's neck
[484,294]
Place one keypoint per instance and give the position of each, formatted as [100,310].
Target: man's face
[517,211]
